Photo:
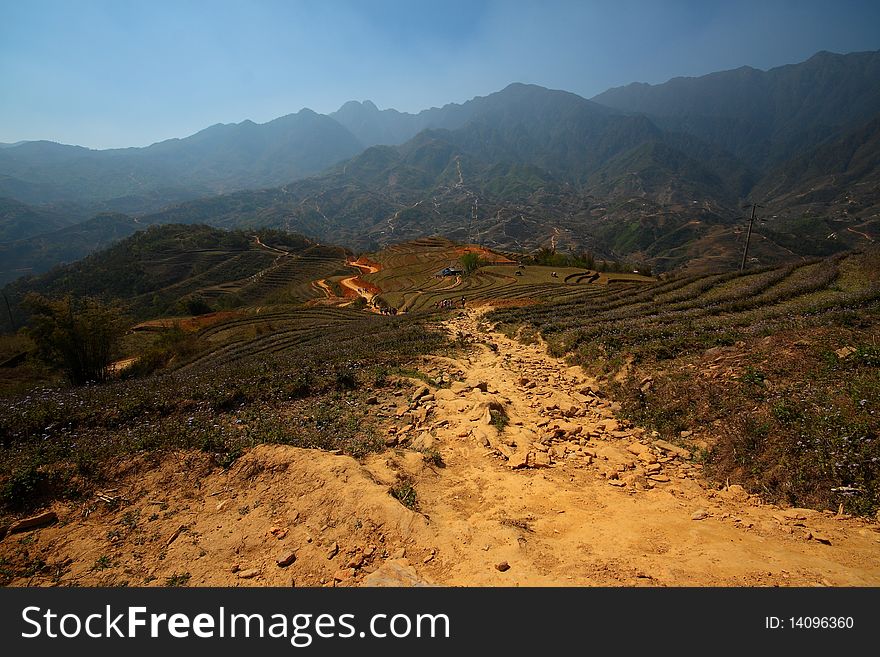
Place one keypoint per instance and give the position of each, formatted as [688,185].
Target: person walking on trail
[462,301]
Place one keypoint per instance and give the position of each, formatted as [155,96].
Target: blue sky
[123,73]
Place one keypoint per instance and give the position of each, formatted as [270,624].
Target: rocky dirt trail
[562,493]
[568,494]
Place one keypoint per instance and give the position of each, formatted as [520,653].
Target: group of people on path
[449,304]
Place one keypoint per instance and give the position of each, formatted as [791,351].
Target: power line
[9,310]
[749,235]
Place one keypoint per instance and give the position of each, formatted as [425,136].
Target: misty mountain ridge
[672,162]
[766,116]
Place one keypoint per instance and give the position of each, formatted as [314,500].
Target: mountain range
[655,173]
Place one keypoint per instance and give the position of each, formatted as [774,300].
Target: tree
[196,305]
[77,336]
[470,262]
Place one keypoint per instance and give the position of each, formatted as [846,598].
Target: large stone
[286,559]
[672,449]
[813,536]
[736,493]
[396,573]
[420,392]
[481,436]
[475,384]
[424,442]
[34,521]
[518,459]
[611,425]
[486,417]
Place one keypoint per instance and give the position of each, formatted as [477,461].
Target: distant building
[449,271]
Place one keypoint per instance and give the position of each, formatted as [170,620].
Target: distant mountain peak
[359,107]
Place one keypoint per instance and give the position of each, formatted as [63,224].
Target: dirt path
[566,494]
[361,288]
[322,286]
[858,232]
[280,252]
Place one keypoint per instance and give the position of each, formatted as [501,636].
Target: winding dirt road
[361,288]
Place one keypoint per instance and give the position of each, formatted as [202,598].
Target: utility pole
[749,236]
[473,221]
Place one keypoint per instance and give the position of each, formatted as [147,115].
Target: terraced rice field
[269,332]
[690,312]
[291,278]
[409,279]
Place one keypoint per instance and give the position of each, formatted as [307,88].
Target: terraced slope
[178,269]
[698,312]
[410,280]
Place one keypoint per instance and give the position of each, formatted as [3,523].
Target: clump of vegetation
[800,430]
[404,491]
[102,563]
[527,335]
[195,305]
[550,257]
[433,457]
[172,344]
[471,262]
[77,336]
[499,418]
[178,579]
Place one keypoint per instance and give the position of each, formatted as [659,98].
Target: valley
[514,441]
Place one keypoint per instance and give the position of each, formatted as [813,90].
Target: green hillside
[177,269]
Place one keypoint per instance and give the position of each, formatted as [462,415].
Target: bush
[471,262]
[404,491]
[196,305]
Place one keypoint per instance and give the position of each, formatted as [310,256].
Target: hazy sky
[123,73]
